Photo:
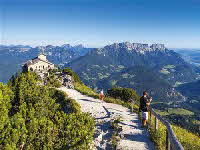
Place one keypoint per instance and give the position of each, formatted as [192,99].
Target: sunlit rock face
[136,47]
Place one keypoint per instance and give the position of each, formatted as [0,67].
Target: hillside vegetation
[39,117]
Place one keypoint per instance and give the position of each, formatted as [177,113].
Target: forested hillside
[40,117]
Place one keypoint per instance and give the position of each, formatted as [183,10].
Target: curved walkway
[133,137]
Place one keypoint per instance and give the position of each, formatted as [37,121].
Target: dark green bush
[53,81]
[52,71]
[68,105]
[125,94]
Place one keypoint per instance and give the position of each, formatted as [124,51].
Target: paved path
[133,136]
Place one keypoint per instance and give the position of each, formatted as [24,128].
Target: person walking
[144,103]
[101,95]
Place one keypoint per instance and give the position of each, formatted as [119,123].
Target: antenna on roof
[42,50]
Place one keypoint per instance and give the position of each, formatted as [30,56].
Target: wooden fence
[172,142]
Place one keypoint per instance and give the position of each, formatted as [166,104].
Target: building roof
[36,60]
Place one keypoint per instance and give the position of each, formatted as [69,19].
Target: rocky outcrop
[67,81]
[64,79]
[138,47]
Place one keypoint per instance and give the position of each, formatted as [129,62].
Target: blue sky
[95,23]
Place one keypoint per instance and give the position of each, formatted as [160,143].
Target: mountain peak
[66,46]
[79,46]
[139,47]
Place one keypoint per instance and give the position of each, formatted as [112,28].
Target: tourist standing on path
[101,96]
[144,103]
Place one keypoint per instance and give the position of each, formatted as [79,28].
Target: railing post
[167,140]
[150,115]
[132,108]
[156,124]
[172,142]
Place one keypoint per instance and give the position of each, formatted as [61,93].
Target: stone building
[38,64]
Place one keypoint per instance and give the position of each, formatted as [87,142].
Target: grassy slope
[177,111]
[188,140]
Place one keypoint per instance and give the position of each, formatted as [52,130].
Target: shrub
[68,105]
[125,94]
[53,81]
[114,124]
[85,90]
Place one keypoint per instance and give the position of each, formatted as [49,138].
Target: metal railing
[172,142]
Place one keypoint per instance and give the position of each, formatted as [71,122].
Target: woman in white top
[101,95]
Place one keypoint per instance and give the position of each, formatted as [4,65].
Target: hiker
[144,103]
[101,95]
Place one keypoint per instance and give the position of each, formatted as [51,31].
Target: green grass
[85,90]
[158,137]
[164,71]
[125,75]
[113,82]
[177,111]
[177,84]
[169,66]
[188,140]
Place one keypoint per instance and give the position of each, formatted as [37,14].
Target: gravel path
[133,137]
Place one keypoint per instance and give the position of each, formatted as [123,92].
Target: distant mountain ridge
[13,56]
[139,47]
[190,55]
[100,66]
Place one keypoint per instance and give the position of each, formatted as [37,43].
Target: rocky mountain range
[139,66]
